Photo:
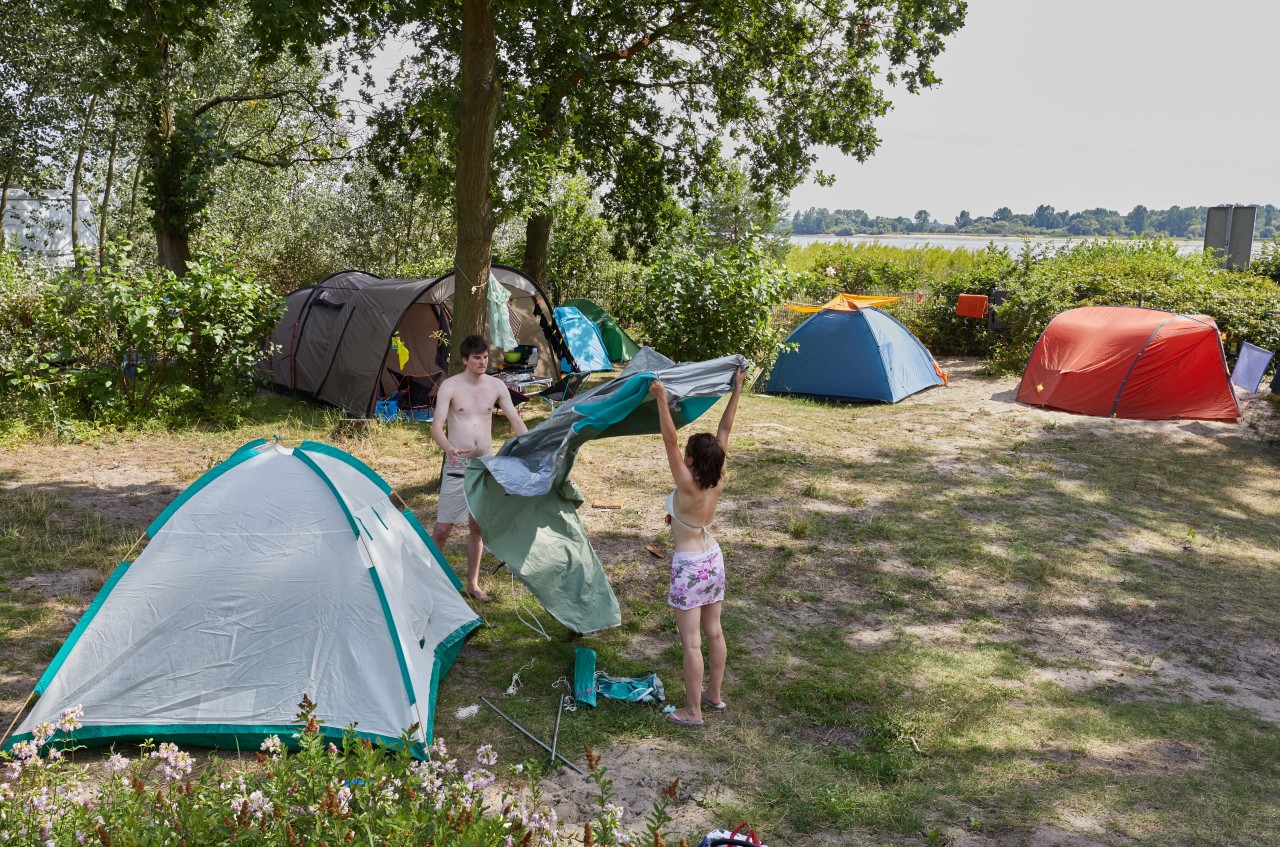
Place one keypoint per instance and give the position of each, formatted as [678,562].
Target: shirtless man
[465,402]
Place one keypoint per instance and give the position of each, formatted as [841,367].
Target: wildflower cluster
[324,790]
[172,764]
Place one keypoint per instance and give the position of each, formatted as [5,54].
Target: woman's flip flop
[669,715]
[719,707]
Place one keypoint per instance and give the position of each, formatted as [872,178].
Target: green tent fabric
[620,345]
[527,507]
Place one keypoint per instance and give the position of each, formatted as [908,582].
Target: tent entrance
[417,355]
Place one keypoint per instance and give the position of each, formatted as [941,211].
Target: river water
[1015,244]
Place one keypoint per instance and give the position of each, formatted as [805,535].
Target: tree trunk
[173,235]
[477,116]
[103,212]
[537,242]
[173,241]
[4,200]
[75,181]
[133,197]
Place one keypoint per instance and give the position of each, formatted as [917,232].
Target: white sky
[1080,104]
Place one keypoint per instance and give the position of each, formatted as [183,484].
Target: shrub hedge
[1043,281]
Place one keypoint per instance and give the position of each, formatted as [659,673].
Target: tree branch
[289,162]
[240,98]
[624,53]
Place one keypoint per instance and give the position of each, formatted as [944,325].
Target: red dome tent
[1124,362]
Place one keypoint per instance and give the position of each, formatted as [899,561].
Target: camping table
[525,383]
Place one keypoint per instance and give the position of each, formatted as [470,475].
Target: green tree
[1136,220]
[645,97]
[211,86]
[1004,213]
[1045,217]
[964,219]
[922,221]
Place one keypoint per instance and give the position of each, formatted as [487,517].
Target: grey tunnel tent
[527,507]
[280,572]
[334,341]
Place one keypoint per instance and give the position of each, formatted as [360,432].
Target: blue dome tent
[854,354]
[584,341]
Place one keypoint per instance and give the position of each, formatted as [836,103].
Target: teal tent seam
[204,734]
[243,454]
[342,504]
[85,619]
[395,634]
[347,459]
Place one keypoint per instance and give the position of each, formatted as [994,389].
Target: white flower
[69,721]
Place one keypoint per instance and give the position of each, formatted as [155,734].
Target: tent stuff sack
[646,688]
[584,675]
[278,573]
[527,507]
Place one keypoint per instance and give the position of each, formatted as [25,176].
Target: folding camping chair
[565,388]
[416,392]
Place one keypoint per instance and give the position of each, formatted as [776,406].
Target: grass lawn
[954,620]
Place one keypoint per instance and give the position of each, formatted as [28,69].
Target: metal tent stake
[533,738]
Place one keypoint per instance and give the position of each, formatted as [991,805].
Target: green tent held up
[620,346]
[527,506]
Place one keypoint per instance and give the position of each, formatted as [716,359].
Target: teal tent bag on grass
[588,682]
[631,689]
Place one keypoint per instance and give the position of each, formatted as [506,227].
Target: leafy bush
[1267,263]
[1148,273]
[123,342]
[824,269]
[700,302]
[933,318]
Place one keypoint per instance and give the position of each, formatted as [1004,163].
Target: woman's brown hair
[708,459]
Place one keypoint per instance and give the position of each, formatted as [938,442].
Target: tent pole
[22,709]
[531,737]
[555,736]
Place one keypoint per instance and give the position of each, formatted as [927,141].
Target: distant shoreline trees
[1174,222]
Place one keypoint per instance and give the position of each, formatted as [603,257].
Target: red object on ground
[972,306]
[1123,362]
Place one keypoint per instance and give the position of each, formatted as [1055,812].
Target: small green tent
[621,347]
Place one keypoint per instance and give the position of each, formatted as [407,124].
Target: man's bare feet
[477,593]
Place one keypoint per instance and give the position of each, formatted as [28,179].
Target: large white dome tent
[280,572]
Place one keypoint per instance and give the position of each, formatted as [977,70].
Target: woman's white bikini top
[671,510]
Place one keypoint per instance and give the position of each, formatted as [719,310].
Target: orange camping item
[1125,362]
[843,303]
[972,306]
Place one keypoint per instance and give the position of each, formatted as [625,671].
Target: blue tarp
[863,354]
[583,338]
